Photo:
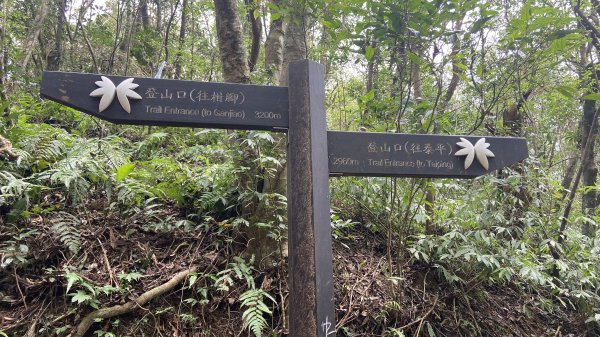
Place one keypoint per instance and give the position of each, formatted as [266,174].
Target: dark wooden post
[311,305]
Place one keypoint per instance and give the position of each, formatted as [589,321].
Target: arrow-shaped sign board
[148,101]
[406,155]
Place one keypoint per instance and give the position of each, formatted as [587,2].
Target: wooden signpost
[314,154]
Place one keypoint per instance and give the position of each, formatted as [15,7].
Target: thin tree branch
[585,22]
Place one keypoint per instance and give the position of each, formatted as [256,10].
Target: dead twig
[19,287]
[111,273]
[420,320]
[6,149]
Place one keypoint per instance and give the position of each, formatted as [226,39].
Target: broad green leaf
[592,97]
[132,276]
[567,91]
[479,24]
[123,171]
[430,330]
[71,278]
[369,53]
[81,297]
[565,32]
[460,66]
[368,96]
[414,58]
[193,278]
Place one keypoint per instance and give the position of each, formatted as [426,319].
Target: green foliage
[253,316]
[17,192]
[238,268]
[86,294]
[394,332]
[15,250]
[66,229]
[129,277]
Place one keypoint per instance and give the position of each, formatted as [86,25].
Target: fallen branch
[121,309]
[6,149]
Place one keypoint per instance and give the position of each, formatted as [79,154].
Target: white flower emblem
[479,150]
[108,91]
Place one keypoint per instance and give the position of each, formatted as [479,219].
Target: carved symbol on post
[327,326]
[108,91]
[479,150]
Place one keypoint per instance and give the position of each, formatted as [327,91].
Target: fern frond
[50,150]
[243,271]
[132,192]
[253,316]
[13,187]
[65,228]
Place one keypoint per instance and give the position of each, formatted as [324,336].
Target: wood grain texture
[312,310]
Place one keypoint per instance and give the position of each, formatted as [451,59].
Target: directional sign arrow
[148,101]
[406,155]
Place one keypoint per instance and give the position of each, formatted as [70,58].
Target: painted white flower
[124,91]
[108,91]
[479,150]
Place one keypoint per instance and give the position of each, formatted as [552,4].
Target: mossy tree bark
[589,133]
[231,44]
[274,48]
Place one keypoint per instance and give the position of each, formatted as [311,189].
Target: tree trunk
[370,76]
[323,47]
[231,44]
[158,15]
[168,31]
[55,55]
[34,33]
[274,48]
[120,13]
[569,175]
[143,9]
[256,24]
[589,133]
[512,119]
[235,69]
[295,49]
[295,39]
[182,33]
[3,63]
[430,191]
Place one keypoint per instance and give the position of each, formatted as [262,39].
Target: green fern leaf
[65,229]
[253,316]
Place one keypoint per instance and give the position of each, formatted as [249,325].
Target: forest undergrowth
[112,231]
[120,259]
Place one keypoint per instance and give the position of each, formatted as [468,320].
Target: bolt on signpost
[314,154]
